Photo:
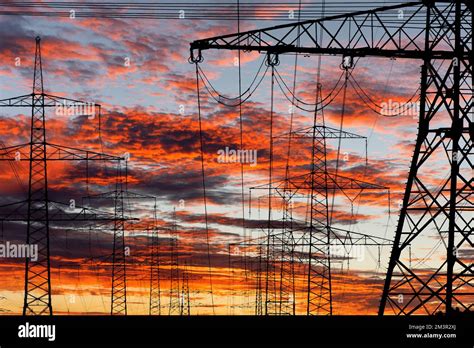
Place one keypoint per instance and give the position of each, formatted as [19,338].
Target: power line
[201,142]
[275,11]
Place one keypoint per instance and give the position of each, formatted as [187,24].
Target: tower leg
[437,211]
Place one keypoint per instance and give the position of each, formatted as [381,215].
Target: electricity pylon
[316,186]
[174,277]
[120,252]
[155,278]
[185,300]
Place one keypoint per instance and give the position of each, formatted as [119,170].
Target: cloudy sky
[138,71]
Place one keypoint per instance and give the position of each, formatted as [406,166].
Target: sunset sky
[149,110]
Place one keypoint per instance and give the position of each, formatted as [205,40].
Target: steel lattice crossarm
[338,236]
[300,186]
[330,181]
[300,228]
[357,34]
[320,132]
[128,194]
[59,212]
[62,104]
[55,152]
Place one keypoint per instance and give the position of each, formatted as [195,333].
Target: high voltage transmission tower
[185,301]
[120,197]
[174,271]
[179,296]
[313,238]
[41,210]
[118,303]
[439,34]
[155,277]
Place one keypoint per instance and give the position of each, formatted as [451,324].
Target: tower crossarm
[343,237]
[127,194]
[19,101]
[59,212]
[320,132]
[389,31]
[333,182]
[338,236]
[62,104]
[55,152]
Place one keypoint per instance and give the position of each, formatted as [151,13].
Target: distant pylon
[174,278]
[119,275]
[120,252]
[37,275]
[317,234]
[185,301]
[155,279]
